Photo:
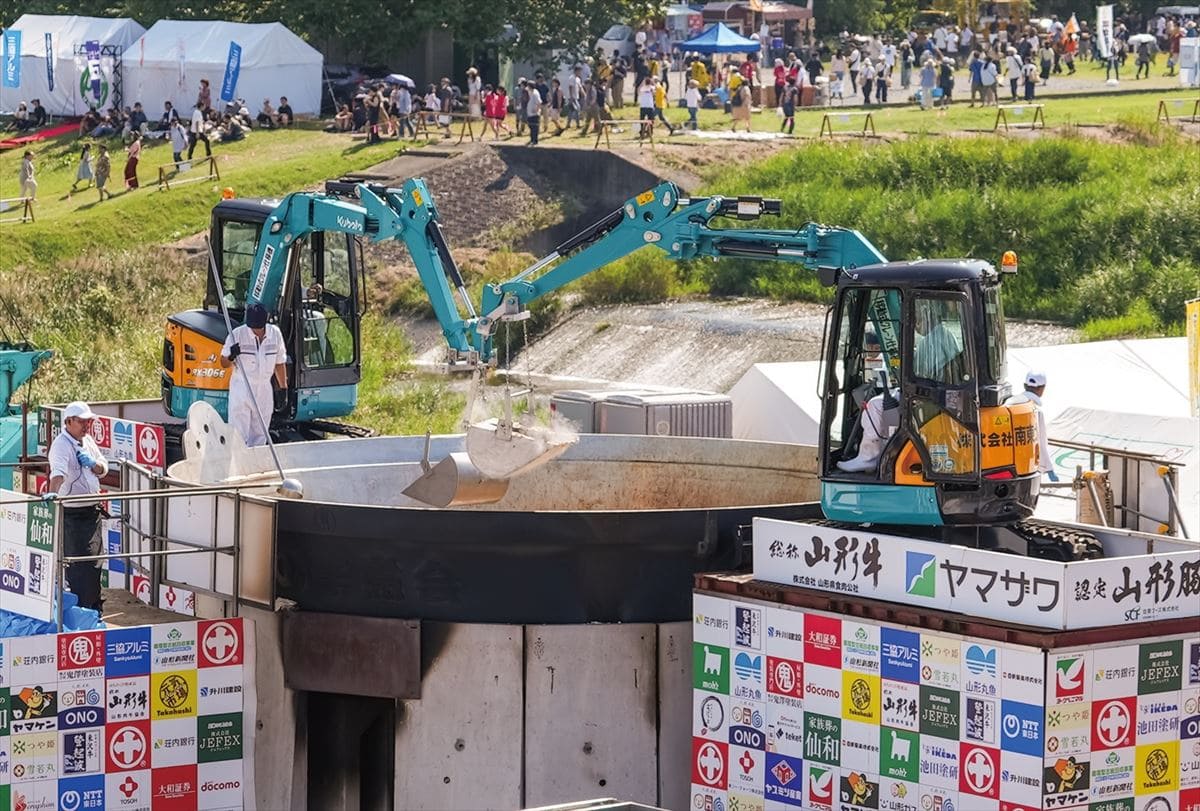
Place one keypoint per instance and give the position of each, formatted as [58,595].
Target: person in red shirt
[780,81]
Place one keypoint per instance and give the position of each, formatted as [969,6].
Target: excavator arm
[677,226]
[659,217]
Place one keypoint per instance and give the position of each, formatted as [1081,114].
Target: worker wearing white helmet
[1035,385]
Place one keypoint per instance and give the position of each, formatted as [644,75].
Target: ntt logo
[817,690]
[229,785]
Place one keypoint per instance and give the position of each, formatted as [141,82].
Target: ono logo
[82,717]
[747,737]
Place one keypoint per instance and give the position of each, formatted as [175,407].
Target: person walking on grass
[692,99]
[134,152]
[788,104]
[646,109]
[741,106]
[1014,70]
[83,173]
[103,169]
[928,79]
[989,80]
[1143,59]
[25,177]
[660,103]
[1046,60]
[533,112]
[196,133]
[866,78]
[1031,77]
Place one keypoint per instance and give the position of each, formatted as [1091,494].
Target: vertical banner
[233,65]
[179,47]
[12,58]
[50,61]
[92,49]
[1193,353]
[1104,30]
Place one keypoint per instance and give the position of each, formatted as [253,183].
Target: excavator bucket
[455,482]
[501,451]
[496,452]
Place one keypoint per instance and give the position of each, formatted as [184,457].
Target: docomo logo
[825,692]
[228,785]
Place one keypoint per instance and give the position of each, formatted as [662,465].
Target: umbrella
[1138,39]
[400,78]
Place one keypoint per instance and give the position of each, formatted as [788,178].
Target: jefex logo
[920,573]
[349,224]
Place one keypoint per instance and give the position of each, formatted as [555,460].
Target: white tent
[171,58]
[72,92]
[777,402]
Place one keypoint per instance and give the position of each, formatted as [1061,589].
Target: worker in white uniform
[935,357]
[1035,386]
[256,351]
[76,467]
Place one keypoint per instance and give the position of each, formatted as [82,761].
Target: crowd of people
[204,124]
[997,64]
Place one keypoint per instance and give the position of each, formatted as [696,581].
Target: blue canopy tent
[719,39]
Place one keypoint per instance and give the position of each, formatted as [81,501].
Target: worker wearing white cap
[76,467]
[257,352]
[1035,384]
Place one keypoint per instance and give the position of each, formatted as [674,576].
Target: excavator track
[1057,542]
[328,427]
[1038,539]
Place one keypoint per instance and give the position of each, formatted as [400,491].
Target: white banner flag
[1104,30]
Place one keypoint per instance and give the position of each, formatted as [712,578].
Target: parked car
[617,38]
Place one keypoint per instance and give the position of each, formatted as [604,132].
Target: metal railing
[148,542]
[1166,470]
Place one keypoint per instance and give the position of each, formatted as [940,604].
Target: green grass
[1100,108]
[265,164]
[92,282]
[1069,207]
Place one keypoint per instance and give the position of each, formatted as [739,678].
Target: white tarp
[1173,439]
[72,91]
[777,402]
[170,59]
[1189,62]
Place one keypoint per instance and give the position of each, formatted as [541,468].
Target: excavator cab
[319,314]
[914,429]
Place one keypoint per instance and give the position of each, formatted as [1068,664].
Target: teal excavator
[19,362]
[948,451]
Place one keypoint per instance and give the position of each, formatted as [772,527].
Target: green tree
[855,16]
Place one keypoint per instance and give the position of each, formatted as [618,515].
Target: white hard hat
[1035,380]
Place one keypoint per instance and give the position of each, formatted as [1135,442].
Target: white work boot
[867,459]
